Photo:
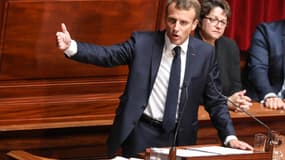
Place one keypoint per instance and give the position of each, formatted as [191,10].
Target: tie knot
[177,51]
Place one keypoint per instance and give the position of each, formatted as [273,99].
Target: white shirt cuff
[72,50]
[229,138]
[268,95]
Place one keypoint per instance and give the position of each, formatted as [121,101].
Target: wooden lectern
[251,156]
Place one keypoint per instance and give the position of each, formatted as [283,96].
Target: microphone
[269,130]
[172,150]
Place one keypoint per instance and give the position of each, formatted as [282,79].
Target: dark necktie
[169,117]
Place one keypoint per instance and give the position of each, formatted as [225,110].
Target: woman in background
[213,21]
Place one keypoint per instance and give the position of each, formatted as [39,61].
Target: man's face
[179,24]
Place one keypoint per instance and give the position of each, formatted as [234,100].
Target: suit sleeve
[105,56]
[258,62]
[215,104]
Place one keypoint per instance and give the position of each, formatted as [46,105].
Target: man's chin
[176,41]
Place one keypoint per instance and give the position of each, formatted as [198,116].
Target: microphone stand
[173,150]
[268,144]
[172,153]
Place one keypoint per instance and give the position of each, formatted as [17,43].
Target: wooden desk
[87,138]
[244,125]
[282,147]
[257,156]
[253,156]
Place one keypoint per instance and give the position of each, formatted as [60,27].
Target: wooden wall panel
[52,105]
[64,143]
[30,27]
[32,69]
[2,12]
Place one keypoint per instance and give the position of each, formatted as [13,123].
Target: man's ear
[195,23]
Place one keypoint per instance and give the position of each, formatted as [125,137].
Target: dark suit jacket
[142,53]
[228,57]
[267,59]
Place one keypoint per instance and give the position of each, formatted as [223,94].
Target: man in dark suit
[266,66]
[140,120]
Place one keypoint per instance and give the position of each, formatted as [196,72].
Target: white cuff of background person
[267,96]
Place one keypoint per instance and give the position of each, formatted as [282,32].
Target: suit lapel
[156,57]
[191,53]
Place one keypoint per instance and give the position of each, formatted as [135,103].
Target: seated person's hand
[274,103]
[240,99]
[239,145]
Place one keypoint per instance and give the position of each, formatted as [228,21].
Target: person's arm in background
[240,99]
[237,96]
[258,69]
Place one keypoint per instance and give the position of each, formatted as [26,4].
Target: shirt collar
[170,46]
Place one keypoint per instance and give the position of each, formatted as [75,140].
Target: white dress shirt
[157,99]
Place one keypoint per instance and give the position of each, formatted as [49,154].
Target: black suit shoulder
[198,44]
[228,42]
[272,25]
[271,28]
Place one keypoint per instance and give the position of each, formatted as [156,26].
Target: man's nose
[176,26]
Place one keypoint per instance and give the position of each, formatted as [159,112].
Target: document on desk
[199,151]
[180,152]
[218,150]
[202,151]
[123,158]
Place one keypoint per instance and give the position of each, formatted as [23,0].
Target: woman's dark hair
[208,5]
